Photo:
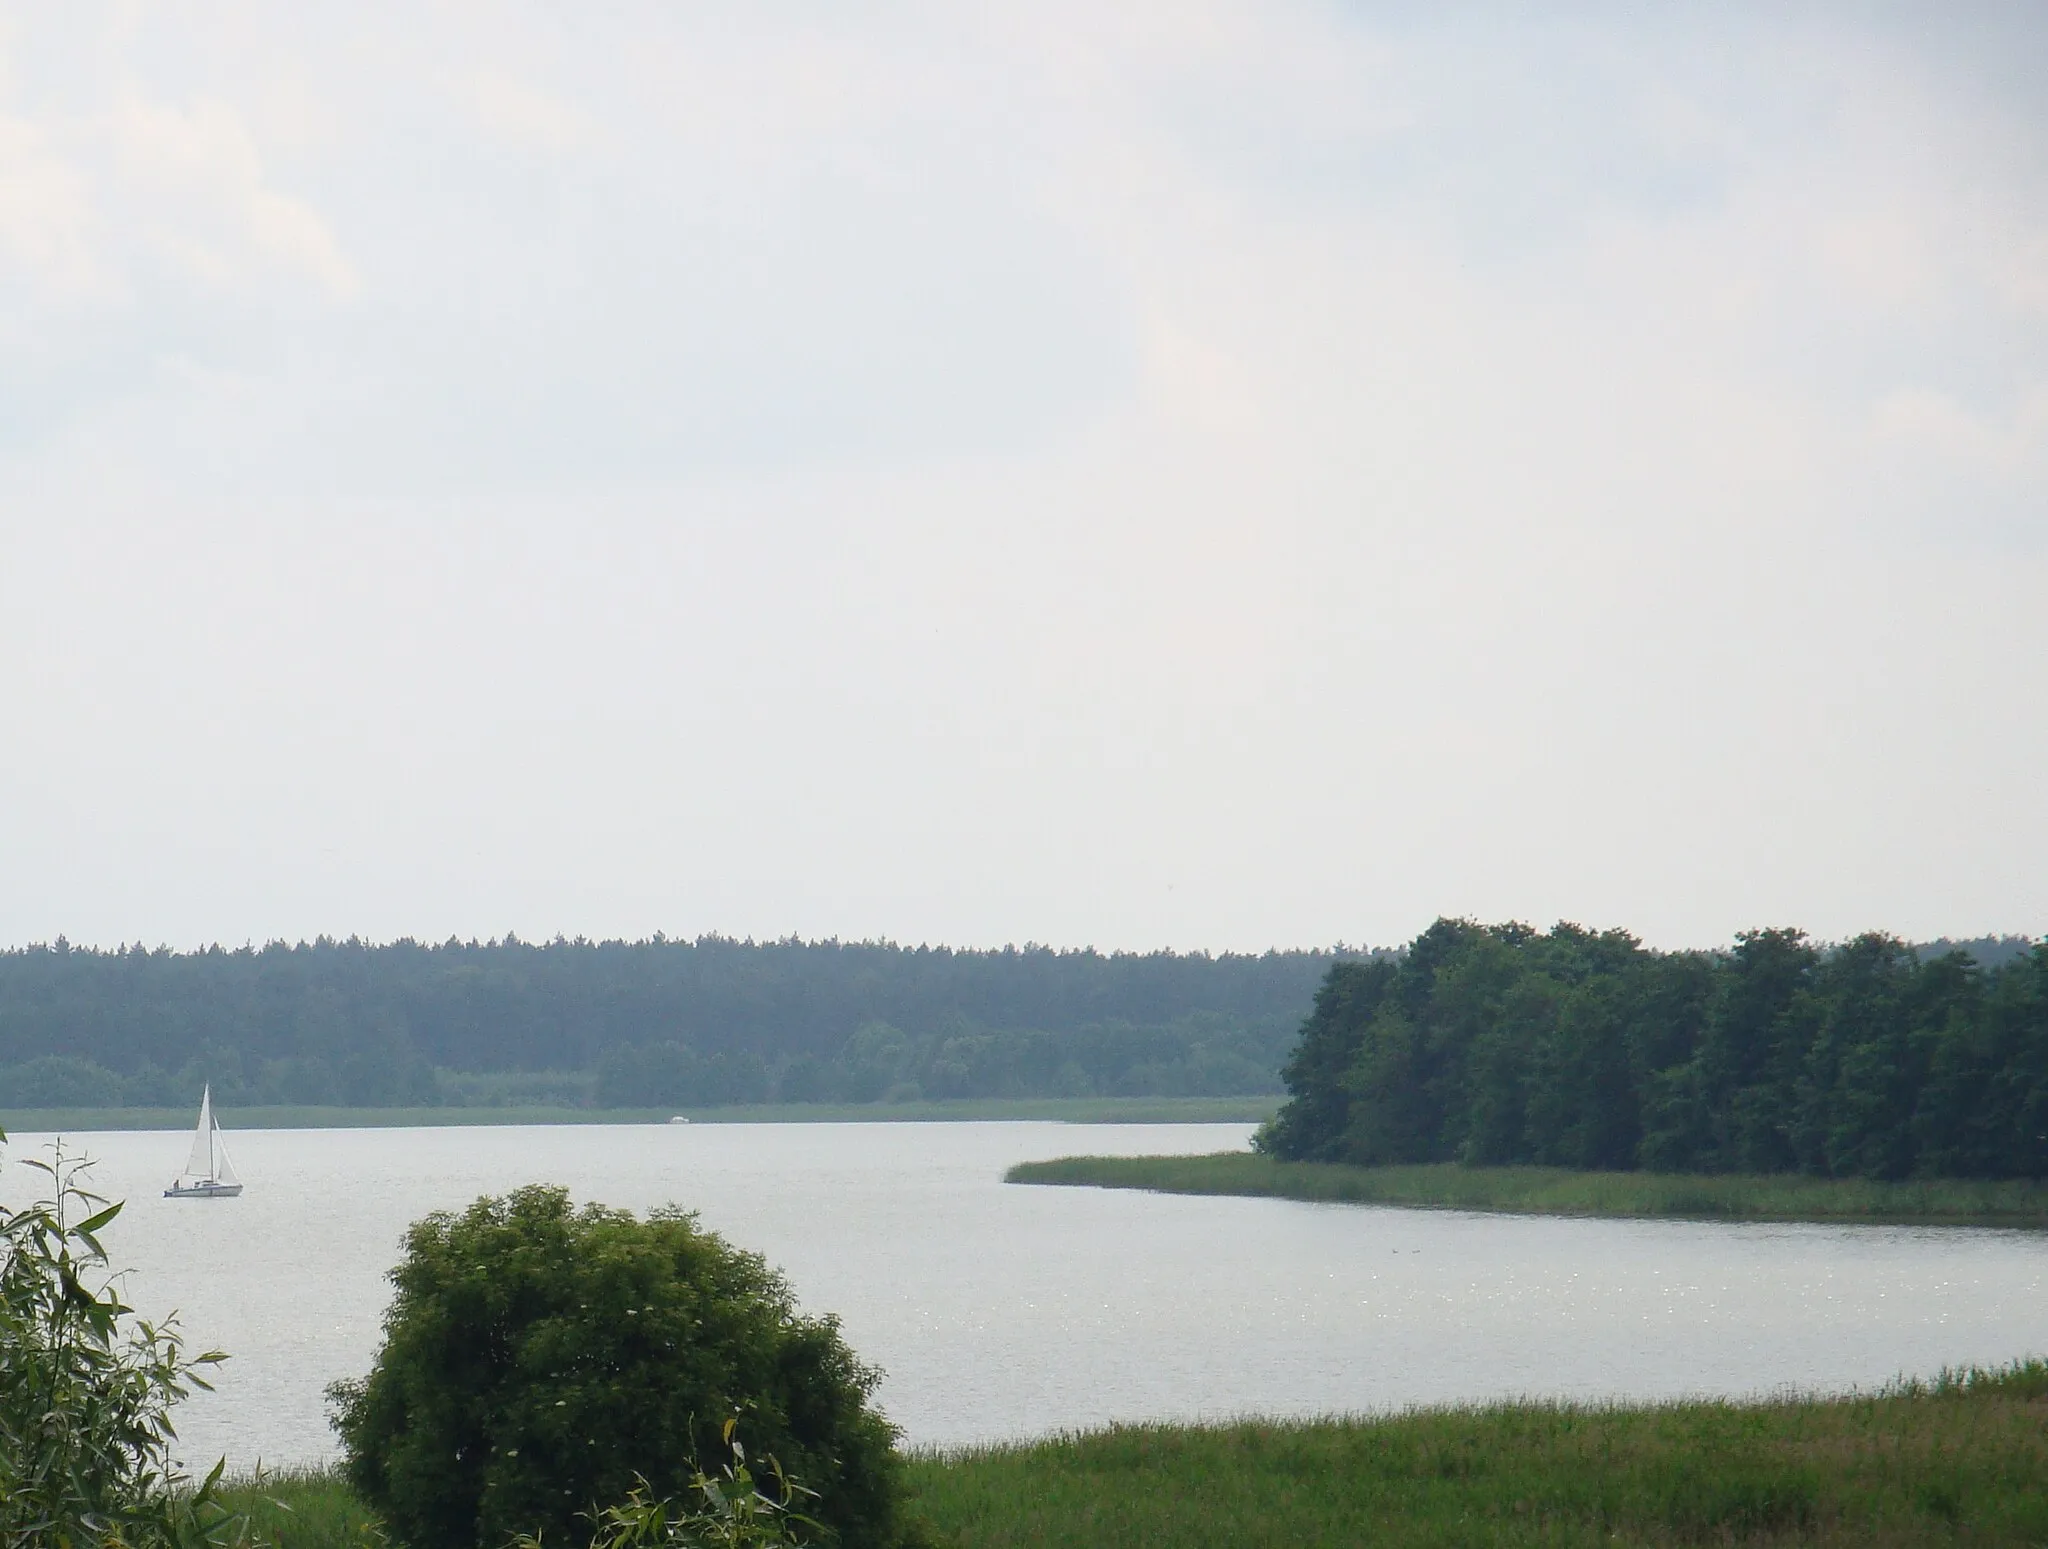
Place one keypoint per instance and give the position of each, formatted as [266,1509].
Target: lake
[1002,1311]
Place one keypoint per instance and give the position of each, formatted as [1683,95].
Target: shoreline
[1068,1110]
[1952,1202]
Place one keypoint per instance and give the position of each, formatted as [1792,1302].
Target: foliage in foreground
[86,1391]
[541,1363]
[1499,1045]
[1558,1191]
[734,1510]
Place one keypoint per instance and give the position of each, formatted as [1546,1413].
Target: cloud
[2010,445]
[522,114]
[951,474]
[44,212]
[198,172]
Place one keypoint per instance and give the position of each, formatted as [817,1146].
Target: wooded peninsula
[1500,1045]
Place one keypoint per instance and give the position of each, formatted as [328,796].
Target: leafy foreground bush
[542,1363]
[732,1511]
[86,1391]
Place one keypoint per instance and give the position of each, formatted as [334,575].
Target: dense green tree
[1505,1045]
[1583,1109]
[1984,1108]
[657,1075]
[1750,1054]
[1863,1064]
[540,1360]
[1312,1126]
[874,1062]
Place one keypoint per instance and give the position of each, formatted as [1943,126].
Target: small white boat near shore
[208,1173]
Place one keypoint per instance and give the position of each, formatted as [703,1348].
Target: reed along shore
[1559,1191]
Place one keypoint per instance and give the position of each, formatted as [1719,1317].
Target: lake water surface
[1000,1310]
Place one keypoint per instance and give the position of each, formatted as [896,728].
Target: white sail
[223,1169]
[200,1163]
[208,1173]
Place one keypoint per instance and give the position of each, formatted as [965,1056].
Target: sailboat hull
[203,1191]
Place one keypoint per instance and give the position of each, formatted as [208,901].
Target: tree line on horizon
[1502,1045]
[638,1024]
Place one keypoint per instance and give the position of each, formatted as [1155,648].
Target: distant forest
[638,1024]
[1499,1045]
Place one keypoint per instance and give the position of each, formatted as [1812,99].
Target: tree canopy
[637,1023]
[1499,1044]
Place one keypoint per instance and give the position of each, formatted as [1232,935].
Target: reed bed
[305,1508]
[1559,1191]
[1957,1461]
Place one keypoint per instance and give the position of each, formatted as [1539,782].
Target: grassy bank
[1958,1462]
[305,1508]
[1556,1191]
[1070,1110]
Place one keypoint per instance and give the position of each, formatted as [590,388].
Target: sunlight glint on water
[1001,1310]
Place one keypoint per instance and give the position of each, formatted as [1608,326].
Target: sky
[1208,475]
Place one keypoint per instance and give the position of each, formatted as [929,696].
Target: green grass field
[1071,1110]
[1959,1462]
[1556,1191]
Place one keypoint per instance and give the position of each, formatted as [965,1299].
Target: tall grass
[1557,1191]
[1960,1460]
[305,1508]
[1964,1463]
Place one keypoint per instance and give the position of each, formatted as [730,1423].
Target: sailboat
[208,1173]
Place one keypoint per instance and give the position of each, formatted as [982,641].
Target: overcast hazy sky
[1198,474]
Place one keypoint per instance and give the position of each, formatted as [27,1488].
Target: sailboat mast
[207,1174]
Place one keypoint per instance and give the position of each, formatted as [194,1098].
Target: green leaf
[98,1221]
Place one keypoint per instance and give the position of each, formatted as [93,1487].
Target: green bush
[733,1510]
[542,1362]
[86,1392]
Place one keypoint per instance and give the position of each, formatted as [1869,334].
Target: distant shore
[1557,1191]
[1070,1110]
